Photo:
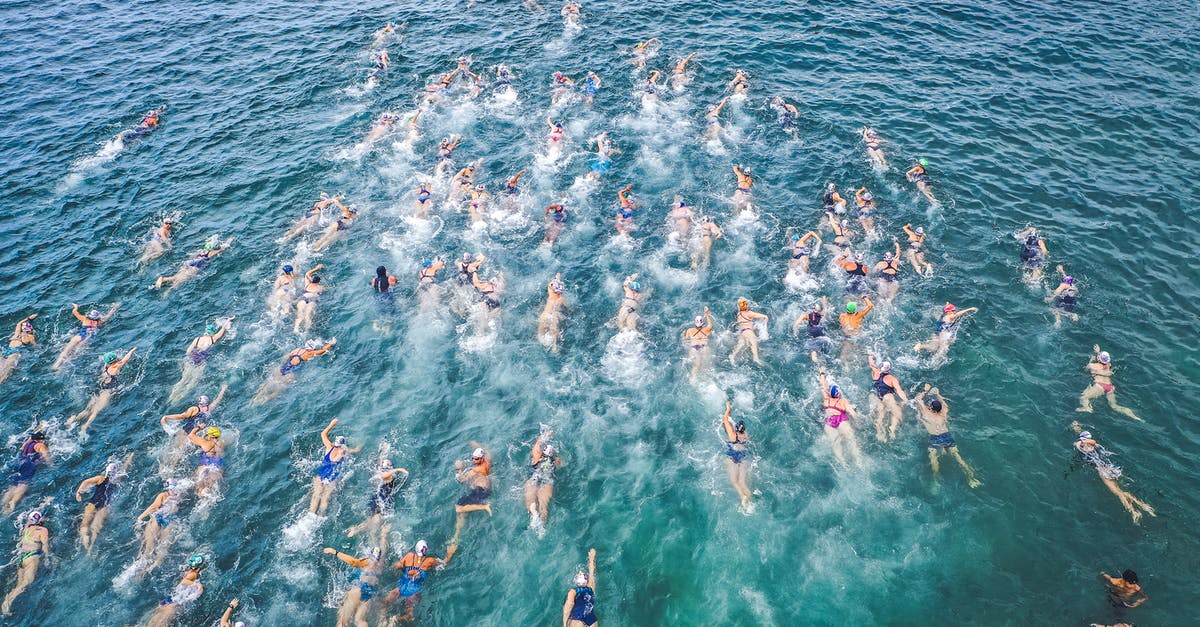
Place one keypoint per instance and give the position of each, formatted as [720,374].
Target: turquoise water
[1077,118]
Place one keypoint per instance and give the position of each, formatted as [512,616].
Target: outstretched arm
[357,562]
[309,275]
[325,433]
[592,568]
[228,613]
[725,422]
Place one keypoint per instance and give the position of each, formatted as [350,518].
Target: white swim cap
[477,453]
[421,548]
[581,579]
[548,450]
[885,367]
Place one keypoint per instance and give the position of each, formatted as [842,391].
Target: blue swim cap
[635,286]
[110,357]
[834,391]
[288,269]
[426,263]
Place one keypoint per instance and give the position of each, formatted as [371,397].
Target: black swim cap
[1129,576]
[935,405]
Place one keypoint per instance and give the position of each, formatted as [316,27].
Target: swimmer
[650,89]
[712,121]
[190,268]
[747,337]
[21,338]
[787,114]
[414,567]
[742,195]
[557,135]
[149,122]
[387,121]
[740,83]
[850,321]
[427,286]
[445,150]
[641,51]
[381,61]
[811,321]
[843,235]
[468,266]
[96,511]
[1065,298]
[283,291]
[157,518]
[311,217]
[91,324]
[556,221]
[477,478]
[188,590]
[435,90]
[32,546]
[109,380]
[335,231]
[801,252]
[34,453]
[198,415]
[706,232]
[736,443]
[306,305]
[856,272]
[357,602]
[874,148]
[1124,591]
[571,15]
[627,315]
[292,362]
[463,181]
[549,329]
[329,471]
[159,242]
[679,76]
[591,87]
[681,216]
[946,330]
[511,186]
[889,274]
[382,501]
[195,359]
[838,427]
[916,250]
[1097,456]
[1033,254]
[916,174]
[383,34]
[695,342]
[561,87]
[414,132]
[1100,367]
[211,458]
[490,291]
[603,160]
[887,388]
[228,615]
[539,487]
[833,202]
[579,608]
[504,79]
[934,414]
[625,212]
[478,204]
[866,207]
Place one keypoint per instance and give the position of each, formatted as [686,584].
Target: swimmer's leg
[1085,400]
[971,480]
[1112,401]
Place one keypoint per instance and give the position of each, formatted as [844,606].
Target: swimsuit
[290,364]
[949,329]
[882,389]
[27,463]
[108,380]
[697,334]
[489,298]
[166,512]
[414,577]
[88,330]
[836,419]
[200,260]
[423,196]
[1031,254]
[201,355]
[542,473]
[197,418]
[477,496]
[1097,458]
[101,494]
[745,323]
[814,324]
[584,608]
[382,498]
[736,450]
[28,554]
[941,441]
[892,276]
[1067,299]
[210,460]
[330,470]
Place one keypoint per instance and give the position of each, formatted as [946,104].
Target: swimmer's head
[27,327]
[636,286]
[168,221]
[851,307]
[480,187]
[743,304]
[197,562]
[581,578]
[1129,576]
[1104,357]
[746,170]
[831,188]
[948,308]
[740,427]
[795,237]
[835,392]
[288,269]
[706,218]
[239,624]
[920,230]
[885,367]
[375,553]
[210,329]
[212,432]
[867,196]
[699,322]
[845,222]
[871,132]
[557,287]
[38,436]
[324,195]
[34,518]
[887,256]
[210,245]
[924,162]
[1085,435]
[340,441]
[804,250]
[316,278]
[421,548]
[558,75]
[385,464]
[203,400]
[549,450]
[935,405]
[1069,280]
[468,257]
[110,357]
[477,454]
[858,257]
[425,263]
[381,272]
[111,469]
[312,345]
[93,315]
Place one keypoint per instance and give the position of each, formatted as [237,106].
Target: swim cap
[477,453]
[557,287]
[885,367]
[288,269]
[851,307]
[213,432]
[209,245]
[746,170]
[37,436]
[706,218]
[425,263]
[699,321]
[110,357]
[549,450]
[923,161]
[581,578]
[1105,357]
[635,286]
[795,237]
[740,427]
[316,278]
[832,187]
[920,231]
[834,391]
[93,315]
[845,222]
[743,304]
[374,553]
[168,221]
[339,441]
[385,464]
[468,257]
[804,250]
[867,196]
[203,400]
[35,517]
[947,308]
[935,405]
[111,469]
[210,329]
[1069,280]
[871,132]
[421,548]
[239,624]
[479,187]
[858,257]
[27,327]
[1085,435]
[196,561]
[312,345]
[887,256]
[558,75]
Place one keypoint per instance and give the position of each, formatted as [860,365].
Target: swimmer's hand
[326,550]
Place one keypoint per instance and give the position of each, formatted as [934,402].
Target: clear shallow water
[1079,119]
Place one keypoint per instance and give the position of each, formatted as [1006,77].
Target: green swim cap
[196,561]
[209,246]
[110,357]
[211,329]
[851,307]
[923,161]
